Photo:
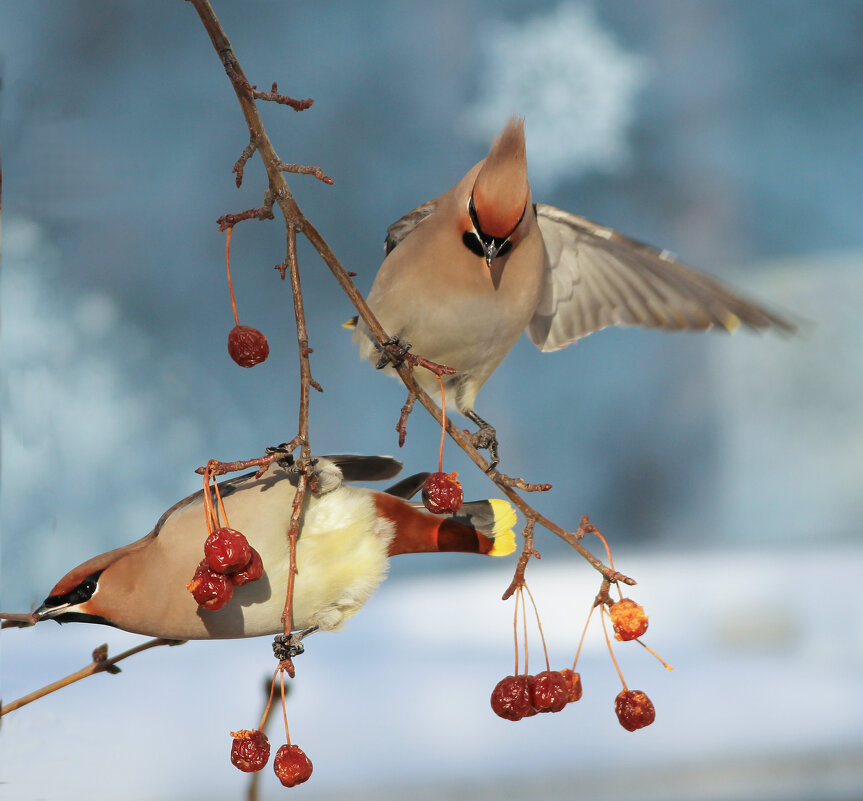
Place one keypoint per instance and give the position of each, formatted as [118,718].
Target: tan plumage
[466,273]
[346,538]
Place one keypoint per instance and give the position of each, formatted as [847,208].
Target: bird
[466,273]
[346,537]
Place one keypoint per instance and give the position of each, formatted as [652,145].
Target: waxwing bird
[466,273]
[347,535]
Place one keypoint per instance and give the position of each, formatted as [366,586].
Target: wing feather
[596,277]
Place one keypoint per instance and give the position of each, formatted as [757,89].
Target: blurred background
[725,471]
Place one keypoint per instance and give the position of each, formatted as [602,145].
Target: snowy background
[727,471]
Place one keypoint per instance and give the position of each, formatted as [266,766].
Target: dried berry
[250,750]
[227,551]
[634,709]
[573,685]
[211,590]
[510,699]
[442,493]
[247,346]
[549,693]
[292,766]
[251,572]
[628,619]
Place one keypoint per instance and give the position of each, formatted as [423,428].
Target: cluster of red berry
[517,697]
[229,561]
[250,750]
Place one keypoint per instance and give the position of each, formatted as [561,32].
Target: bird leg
[485,438]
[288,646]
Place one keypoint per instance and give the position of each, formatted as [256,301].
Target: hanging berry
[250,750]
[246,345]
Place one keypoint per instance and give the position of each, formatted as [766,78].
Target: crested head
[501,190]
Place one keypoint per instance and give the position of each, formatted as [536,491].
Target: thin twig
[527,551]
[301,169]
[100,664]
[402,425]
[240,164]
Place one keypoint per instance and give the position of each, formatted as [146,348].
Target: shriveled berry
[628,619]
[573,685]
[634,709]
[510,699]
[292,766]
[211,590]
[442,493]
[251,572]
[247,346]
[250,750]
[550,692]
[227,550]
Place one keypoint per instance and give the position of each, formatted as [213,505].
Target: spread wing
[404,225]
[596,277]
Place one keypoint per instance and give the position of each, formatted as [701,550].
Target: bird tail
[483,527]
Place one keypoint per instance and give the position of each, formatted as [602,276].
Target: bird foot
[486,439]
[287,646]
[393,351]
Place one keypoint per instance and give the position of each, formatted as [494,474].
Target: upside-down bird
[347,535]
[467,272]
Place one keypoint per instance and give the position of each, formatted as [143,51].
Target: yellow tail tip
[351,324]
[504,519]
[731,322]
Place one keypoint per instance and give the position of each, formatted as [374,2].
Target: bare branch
[100,664]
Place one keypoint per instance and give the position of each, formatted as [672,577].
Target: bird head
[501,192]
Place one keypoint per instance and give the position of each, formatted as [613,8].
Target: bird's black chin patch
[81,617]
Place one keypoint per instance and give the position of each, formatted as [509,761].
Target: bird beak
[491,251]
[48,612]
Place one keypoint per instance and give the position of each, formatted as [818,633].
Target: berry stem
[208,502]
[443,424]
[284,708]
[539,626]
[665,664]
[221,505]
[269,702]
[515,628]
[607,548]
[581,641]
[602,614]
[524,621]
[230,282]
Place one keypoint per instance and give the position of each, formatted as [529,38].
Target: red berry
[442,493]
[292,766]
[251,572]
[250,750]
[573,685]
[227,551]
[550,693]
[247,346]
[510,699]
[634,709]
[628,619]
[211,590]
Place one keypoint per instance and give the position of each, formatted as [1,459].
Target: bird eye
[86,588]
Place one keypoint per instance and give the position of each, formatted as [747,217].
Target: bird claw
[393,351]
[287,646]
[486,439]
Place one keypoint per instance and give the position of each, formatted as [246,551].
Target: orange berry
[573,685]
[628,619]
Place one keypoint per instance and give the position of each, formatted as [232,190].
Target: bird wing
[408,487]
[596,277]
[404,225]
[366,468]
